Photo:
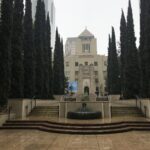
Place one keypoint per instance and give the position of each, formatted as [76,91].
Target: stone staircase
[48,111]
[68,128]
[126,111]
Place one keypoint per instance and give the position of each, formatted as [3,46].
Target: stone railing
[102,98]
[144,106]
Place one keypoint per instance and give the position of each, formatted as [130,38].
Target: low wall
[21,107]
[113,98]
[144,105]
[4,117]
[59,97]
[46,102]
[124,103]
[103,107]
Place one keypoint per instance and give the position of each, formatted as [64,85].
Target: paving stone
[37,140]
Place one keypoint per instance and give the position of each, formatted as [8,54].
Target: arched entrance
[86,90]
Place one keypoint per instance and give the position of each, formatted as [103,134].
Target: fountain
[84,113]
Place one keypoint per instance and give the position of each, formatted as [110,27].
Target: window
[95,63]
[67,73]
[96,80]
[67,64]
[86,63]
[76,73]
[97,89]
[105,63]
[86,48]
[76,64]
[105,75]
[96,73]
[76,80]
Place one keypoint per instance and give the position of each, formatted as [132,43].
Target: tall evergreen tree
[113,67]
[123,46]
[58,74]
[50,71]
[143,52]
[29,54]
[38,39]
[45,93]
[109,66]
[5,49]
[17,51]
[62,74]
[146,51]
[132,74]
[56,65]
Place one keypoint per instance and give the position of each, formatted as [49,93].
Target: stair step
[47,107]
[77,127]
[45,111]
[79,131]
[126,111]
[67,131]
[107,128]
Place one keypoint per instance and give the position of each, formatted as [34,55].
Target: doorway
[86,90]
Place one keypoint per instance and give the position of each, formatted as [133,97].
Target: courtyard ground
[37,140]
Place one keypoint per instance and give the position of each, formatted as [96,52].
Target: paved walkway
[37,140]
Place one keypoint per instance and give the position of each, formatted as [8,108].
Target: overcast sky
[72,16]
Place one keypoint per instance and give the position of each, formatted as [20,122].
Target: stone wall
[21,107]
[42,102]
[103,107]
[113,98]
[144,105]
[4,117]
[59,97]
[124,103]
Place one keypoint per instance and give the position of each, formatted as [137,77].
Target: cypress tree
[62,74]
[17,52]
[146,50]
[50,72]
[132,74]
[143,52]
[109,66]
[56,85]
[45,92]
[56,67]
[38,40]
[5,50]
[123,44]
[29,58]
[113,67]
[59,76]
[115,72]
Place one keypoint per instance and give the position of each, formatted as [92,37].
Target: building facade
[84,65]
[49,8]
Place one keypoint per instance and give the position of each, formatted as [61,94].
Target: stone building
[84,65]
